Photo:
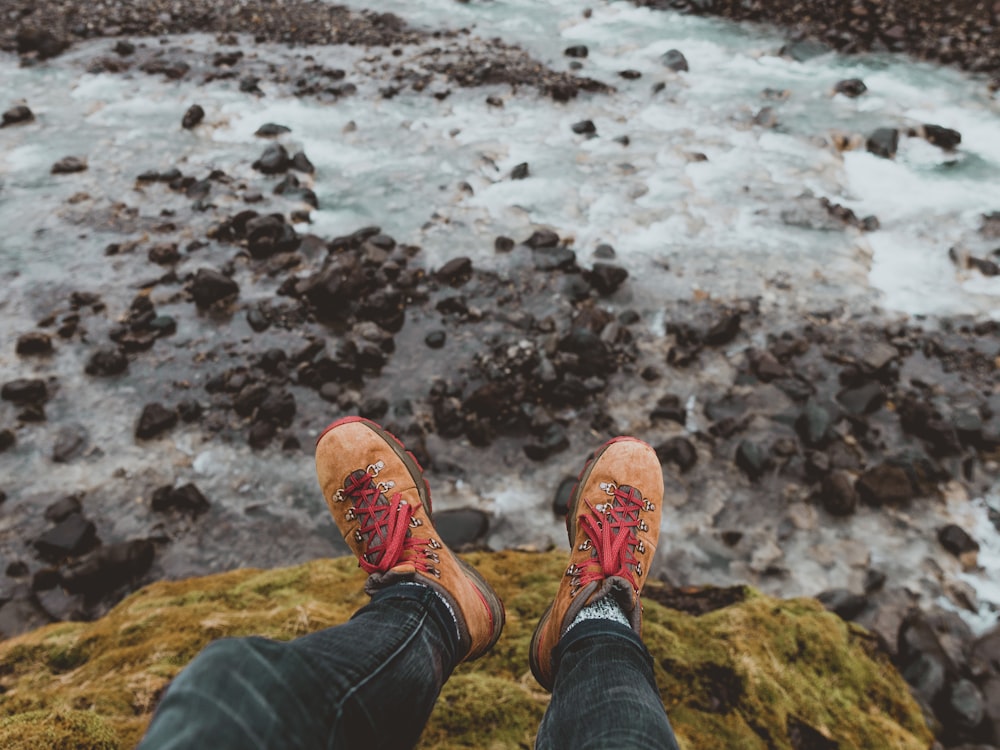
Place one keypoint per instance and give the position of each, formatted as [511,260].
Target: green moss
[734,677]
[58,730]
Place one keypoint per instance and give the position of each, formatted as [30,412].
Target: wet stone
[107,361]
[674,60]
[374,408]
[456,271]
[844,603]
[813,425]
[189,410]
[69,165]
[435,339]
[520,171]
[885,484]
[678,451]
[7,440]
[17,569]
[74,535]
[850,87]
[209,286]
[724,329]
[577,51]
[71,440]
[944,138]
[884,142]
[186,498]
[34,343]
[837,493]
[271,129]
[261,434]
[629,74]
[584,127]
[192,117]
[164,254]
[63,508]
[17,115]
[300,163]
[751,459]
[670,408]
[554,259]
[863,400]
[605,278]
[25,391]
[109,568]
[553,440]
[956,540]
[154,421]
[274,160]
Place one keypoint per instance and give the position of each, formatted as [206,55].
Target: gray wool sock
[605,608]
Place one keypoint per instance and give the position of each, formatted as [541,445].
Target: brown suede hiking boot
[382,505]
[613,525]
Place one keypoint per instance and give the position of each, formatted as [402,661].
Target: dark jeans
[372,682]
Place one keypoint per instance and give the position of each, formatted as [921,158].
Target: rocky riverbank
[965,33]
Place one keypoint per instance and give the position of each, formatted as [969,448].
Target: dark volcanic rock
[108,360]
[883,142]
[301,163]
[186,498]
[274,160]
[584,127]
[520,172]
[956,540]
[270,130]
[154,421]
[674,60]
[577,50]
[885,484]
[837,493]
[678,451]
[852,87]
[34,343]
[943,138]
[74,535]
[70,442]
[109,568]
[605,278]
[194,115]
[17,115]
[209,286]
[456,271]
[25,391]
[69,165]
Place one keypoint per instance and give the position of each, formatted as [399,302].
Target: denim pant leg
[369,683]
[604,695]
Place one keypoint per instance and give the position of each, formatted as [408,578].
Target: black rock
[724,329]
[813,425]
[278,406]
[194,115]
[956,540]
[270,129]
[69,165]
[863,400]
[154,421]
[40,41]
[943,138]
[63,508]
[74,535]
[7,440]
[883,142]
[249,398]
[885,484]
[17,115]
[552,441]
[462,527]
[837,494]
[124,48]
[107,361]
[560,503]
[164,253]
[605,278]
[671,408]
[209,286]
[842,602]
[964,707]
[520,171]
[17,569]
[257,319]
[189,410]
[751,459]
[577,50]
[678,451]
[584,127]
[435,339]
[674,60]
[34,343]
[542,238]
[25,391]
[630,74]
[274,160]
[301,163]
[852,87]
[267,235]
[109,568]
[70,442]
[554,259]
[456,271]
[186,498]
[260,434]
[985,266]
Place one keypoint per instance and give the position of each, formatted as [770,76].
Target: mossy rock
[754,672]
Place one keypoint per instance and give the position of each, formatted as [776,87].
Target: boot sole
[489,597]
[571,535]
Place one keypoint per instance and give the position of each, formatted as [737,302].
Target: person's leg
[370,683]
[604,694]
[587,649]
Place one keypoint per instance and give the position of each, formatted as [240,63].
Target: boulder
[884,142]
[274,160]
[192,117]
[209,286]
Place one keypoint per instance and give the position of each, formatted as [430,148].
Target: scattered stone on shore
[34,343]
[70,442]
[187,499]
[209,287]
[8,439]
[73,535]
[850,87]
[674,59]
[108,360]
[885,484]
[154,421]
[520,171]
[274,160]
[192,117]
[883,142]
[17,115]
[25,391]
[69,165]
[577,50]
[271,130]
[584,127]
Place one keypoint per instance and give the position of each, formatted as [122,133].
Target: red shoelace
[384,525]
[611,529]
